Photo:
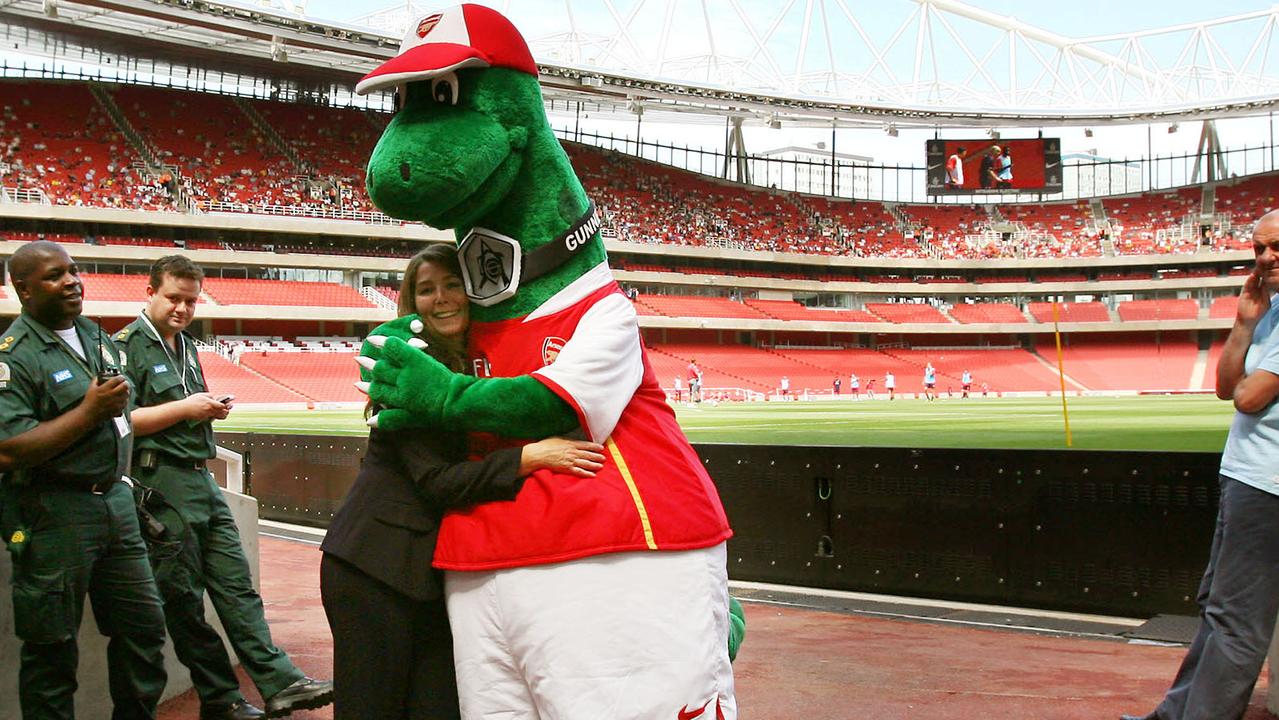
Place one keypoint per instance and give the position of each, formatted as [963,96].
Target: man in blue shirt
[1239,595]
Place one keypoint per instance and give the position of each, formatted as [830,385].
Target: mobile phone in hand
[226,399]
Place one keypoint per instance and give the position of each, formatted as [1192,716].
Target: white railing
[23,195]
[378,298]
[361,216]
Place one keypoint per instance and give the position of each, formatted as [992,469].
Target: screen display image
[964,167]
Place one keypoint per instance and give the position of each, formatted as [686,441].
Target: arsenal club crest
[551,348]
[428,24]
[491,265]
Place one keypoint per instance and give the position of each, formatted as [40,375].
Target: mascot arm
[420,392]
[588,385]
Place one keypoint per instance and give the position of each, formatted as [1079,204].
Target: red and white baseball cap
[460,37]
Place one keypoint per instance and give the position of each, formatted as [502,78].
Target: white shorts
[624,636]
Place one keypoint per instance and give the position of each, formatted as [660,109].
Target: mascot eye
[444,89]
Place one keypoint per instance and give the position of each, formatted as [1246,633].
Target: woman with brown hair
[392,647]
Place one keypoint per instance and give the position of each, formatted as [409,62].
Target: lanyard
[181,356]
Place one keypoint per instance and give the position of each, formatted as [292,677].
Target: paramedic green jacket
[73,530]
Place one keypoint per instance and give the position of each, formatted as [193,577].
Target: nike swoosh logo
[686,714]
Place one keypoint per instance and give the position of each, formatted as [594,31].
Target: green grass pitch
[1178,423]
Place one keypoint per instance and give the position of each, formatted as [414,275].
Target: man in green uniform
[67,516]
[173,422]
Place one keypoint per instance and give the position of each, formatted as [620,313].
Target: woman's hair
[451,352]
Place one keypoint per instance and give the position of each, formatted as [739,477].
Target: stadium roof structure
[804,62]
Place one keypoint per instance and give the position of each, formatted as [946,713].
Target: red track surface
[806,664]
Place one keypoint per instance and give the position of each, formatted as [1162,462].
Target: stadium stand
[1138,219]
[791,310]
[813,369]
[284,293]
[1003,369]
[694,306]
[222,377]
[57,139]
[946,227]
[221,155]
[301,159]
[1124,363]
[1249,198]
[118,288]
[907,312]
[326,376]
[1069,312]
[1224,307]
[315,133]
[987,313]
[1134,310]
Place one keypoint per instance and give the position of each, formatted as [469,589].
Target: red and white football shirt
[652,494]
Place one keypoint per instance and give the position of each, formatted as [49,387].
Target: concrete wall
[92,700]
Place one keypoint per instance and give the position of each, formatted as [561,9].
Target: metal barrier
[1119,533]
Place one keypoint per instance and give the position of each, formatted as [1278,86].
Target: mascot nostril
[556,349]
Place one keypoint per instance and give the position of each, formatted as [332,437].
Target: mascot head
[470,149]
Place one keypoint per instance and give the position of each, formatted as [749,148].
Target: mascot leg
[624,636]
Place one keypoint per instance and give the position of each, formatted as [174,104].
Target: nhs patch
[161,368]
[62,376]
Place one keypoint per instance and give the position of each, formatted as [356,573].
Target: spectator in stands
[987,175]
[173,423]
[890,384]
[955,169]
[1004,168]
[1239,595]
[694,375]
[392,646]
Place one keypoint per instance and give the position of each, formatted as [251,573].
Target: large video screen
[965,167]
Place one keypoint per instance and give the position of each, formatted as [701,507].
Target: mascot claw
[371,422]
[416,326]
[418,343]
[362,386]
[365,362]
[377,340]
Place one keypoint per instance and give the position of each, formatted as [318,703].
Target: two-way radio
[108,371]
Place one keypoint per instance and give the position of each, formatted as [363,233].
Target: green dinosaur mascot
[582,598]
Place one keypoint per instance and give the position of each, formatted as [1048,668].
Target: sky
[1076,18]
[880,18]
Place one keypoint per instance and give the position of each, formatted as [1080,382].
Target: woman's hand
[571,457]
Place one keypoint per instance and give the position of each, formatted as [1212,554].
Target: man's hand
[106,400]
[410,383]
[1254,299]
[203,406]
